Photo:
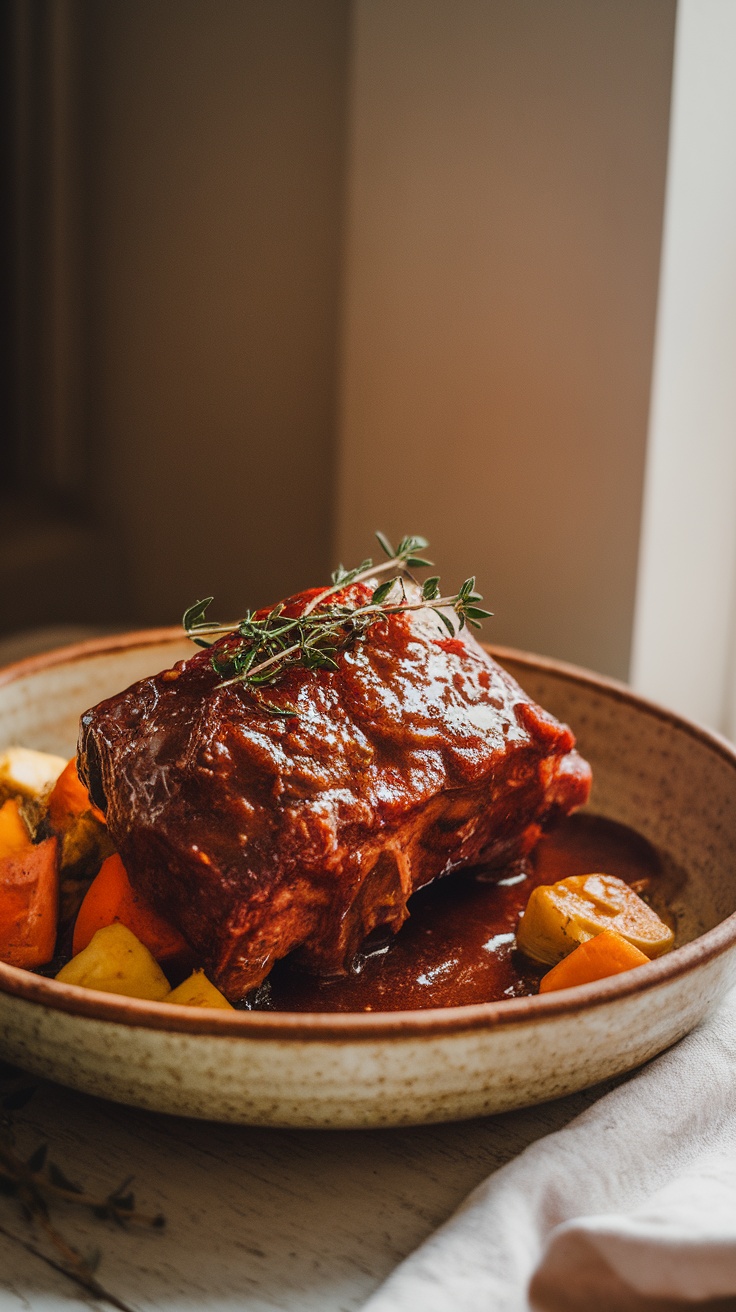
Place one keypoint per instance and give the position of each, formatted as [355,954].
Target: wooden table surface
[255,1219]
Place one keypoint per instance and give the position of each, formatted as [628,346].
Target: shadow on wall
[201,151]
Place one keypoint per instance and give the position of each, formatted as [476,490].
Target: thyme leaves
[263,647]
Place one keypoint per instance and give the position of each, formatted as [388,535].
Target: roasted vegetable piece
[28,774]
[29,899]
[197,991]
[606,954]
[69,798]
[85,841]
[117,962]
[14,835]
[560,916]
[111,899]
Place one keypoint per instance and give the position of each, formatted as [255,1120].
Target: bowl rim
[372,1026]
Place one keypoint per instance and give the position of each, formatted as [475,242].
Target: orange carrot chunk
[608,953]
[69,799]
[111,899]
[29,902]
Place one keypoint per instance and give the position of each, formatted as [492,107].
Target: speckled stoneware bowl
[670,780]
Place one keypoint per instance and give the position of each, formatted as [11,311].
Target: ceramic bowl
[667,778]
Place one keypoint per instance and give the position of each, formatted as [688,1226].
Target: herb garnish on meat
[269,644]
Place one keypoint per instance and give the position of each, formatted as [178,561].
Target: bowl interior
[41,707]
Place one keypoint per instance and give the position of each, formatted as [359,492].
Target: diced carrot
[29,901]
[14,835]
[69,799]
[608,953]
[111,899]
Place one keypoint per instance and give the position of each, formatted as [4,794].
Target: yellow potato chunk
[14,835]
[559,917]
[197,991]
[28,773]
[115,961]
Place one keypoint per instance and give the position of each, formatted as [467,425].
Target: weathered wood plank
[258,1219]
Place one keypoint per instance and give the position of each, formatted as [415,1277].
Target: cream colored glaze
[673,782]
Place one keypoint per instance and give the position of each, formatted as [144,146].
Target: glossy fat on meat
[259,835]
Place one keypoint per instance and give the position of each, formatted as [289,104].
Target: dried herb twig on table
[36,1182]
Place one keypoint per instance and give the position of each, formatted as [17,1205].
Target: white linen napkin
[630,1208]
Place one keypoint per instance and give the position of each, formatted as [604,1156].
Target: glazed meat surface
[258,834]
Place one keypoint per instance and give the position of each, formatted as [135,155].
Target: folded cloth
[630,1208]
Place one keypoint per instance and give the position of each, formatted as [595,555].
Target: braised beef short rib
[260,835]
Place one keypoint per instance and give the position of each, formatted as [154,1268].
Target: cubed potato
[197,991]
[27,773]
[14,832]
[560,916]
[117,962]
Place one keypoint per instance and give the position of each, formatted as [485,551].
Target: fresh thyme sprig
[276,642]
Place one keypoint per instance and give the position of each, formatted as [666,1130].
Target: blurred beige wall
[506,178]
[214,190]
[347,264]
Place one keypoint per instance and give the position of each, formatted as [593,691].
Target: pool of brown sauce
[458,945]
